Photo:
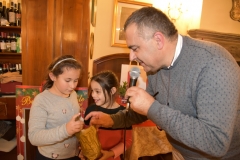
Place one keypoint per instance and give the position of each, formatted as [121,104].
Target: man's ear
[159,38]
[113,90]
[52,76]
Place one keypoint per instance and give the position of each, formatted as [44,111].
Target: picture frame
[91,45]
[235,10]
[122,10]
[94,13]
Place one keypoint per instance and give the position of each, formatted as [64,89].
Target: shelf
[10,54]
[15,29]
[10,57]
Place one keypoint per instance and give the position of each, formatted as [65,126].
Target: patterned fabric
[148,141]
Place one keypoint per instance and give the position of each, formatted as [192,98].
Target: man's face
[145,51]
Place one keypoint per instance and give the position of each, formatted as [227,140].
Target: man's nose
[132,56]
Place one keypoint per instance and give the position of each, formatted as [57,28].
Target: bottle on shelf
[14,68]
[10,67]
[1,12]
[11,15]
[5,69]
[3,43]
[13,42]
[18,15]
[1,68]
[7,11]
[8,43]
[18,44]
[20,68]
[0,42]
[4,12]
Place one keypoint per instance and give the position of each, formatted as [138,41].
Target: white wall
[216,17]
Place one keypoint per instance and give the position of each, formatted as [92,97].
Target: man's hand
[106,154]
[140,100]
[74,126]
[100,119]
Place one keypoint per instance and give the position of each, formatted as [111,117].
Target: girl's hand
[81,156]
[106,154]
[74,126]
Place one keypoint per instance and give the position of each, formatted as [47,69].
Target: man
[198,84]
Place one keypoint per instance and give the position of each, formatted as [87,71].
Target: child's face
[66,82]
[98,95]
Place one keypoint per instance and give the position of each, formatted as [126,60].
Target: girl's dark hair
[107,79]
[156,20]
[57,66]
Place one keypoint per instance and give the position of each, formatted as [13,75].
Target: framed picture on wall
[122,10]
[235,10]
[94,13]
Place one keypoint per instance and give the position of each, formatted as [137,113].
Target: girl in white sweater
[52,122]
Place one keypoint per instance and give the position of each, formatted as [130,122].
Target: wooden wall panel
[51,28]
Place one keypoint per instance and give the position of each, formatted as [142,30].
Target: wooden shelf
[10,57]
[15,29]
[10,54]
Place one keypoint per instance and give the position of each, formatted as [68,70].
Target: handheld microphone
[134,74]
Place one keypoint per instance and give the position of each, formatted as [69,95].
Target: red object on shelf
[9,87]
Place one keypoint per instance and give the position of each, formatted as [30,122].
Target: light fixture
[174,12]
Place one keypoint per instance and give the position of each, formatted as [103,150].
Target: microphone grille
[135,72]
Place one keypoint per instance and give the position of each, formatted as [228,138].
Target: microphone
[134,74]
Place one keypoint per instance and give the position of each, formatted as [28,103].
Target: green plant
[123,88]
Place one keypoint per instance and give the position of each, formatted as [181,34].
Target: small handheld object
[134,74]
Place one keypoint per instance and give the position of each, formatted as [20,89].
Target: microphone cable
[124,135]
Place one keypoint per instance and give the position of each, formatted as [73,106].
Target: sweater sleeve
[118,149]
[133,118]
[215,102]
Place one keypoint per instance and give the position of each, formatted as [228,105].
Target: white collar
[178,49]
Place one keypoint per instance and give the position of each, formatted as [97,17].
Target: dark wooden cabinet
[7,108]
[51,28]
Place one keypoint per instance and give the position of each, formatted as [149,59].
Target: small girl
[104,87]
[52,121]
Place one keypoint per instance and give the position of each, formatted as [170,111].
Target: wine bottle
[13,43]
[1,13]
[8,43]
[11,15]
[14,67]
[4,12]
[7,11]
[1,68]
[18,15]
[5,69]
[20,68]
[18,45]
[0,42]
[10,67]
[3,44]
